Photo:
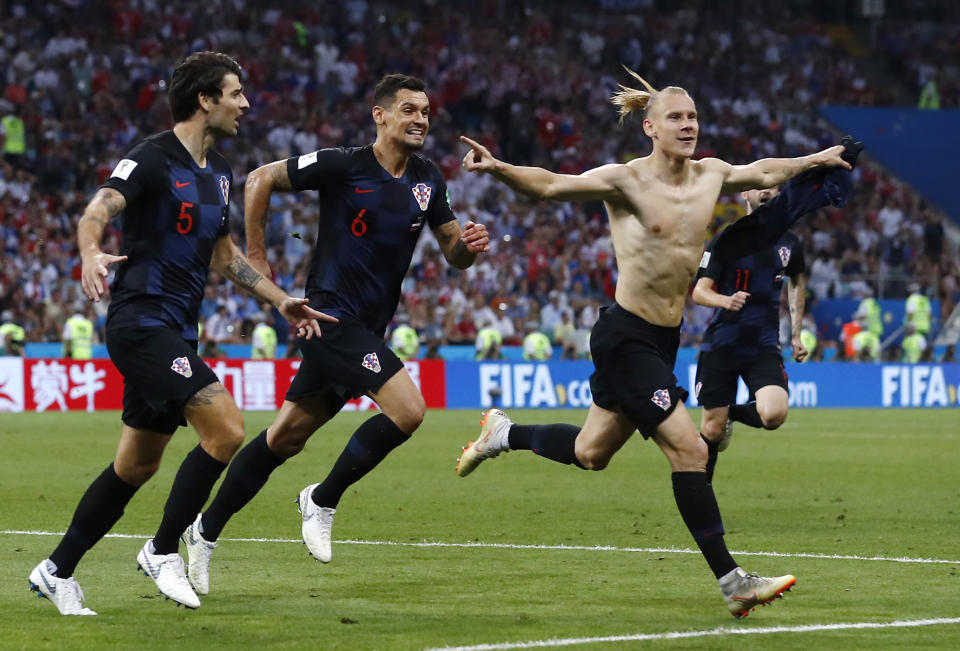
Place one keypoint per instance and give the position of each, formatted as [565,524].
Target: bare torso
[658,232]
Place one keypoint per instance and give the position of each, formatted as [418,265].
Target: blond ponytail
[627,100]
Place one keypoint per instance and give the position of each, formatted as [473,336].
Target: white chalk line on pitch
[582,548]
[716,632]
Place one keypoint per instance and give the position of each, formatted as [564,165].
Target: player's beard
[414,146]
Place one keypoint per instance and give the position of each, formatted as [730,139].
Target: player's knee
[773,418]
[287,443]
[712,430]
[410,417]
[138,473]
[228,437]
[690,456]
[593,458]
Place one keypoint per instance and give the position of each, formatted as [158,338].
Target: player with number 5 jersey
[374,203]
[173,191]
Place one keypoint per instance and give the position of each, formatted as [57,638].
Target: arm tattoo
[204,397]
[112,200]
[243,274]
[279,178]
[99,221]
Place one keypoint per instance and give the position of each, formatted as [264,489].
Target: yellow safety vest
[874,320]
[17,337]
[81,340]
[866,339]
[913,348]
[487,338]
[920,306]
[536,345]
[15,136]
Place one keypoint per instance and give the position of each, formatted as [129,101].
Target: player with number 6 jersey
[374,203]
[365,212]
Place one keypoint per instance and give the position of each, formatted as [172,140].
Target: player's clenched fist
[737,301]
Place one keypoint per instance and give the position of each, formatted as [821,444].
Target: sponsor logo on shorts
[181,365]
[371,362]
[661,398]
[696,389]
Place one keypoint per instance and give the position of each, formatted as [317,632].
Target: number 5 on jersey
[185,219]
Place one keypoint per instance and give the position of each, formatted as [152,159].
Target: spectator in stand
[551,314]
[39,203]
[263,339]
[563,331]
[218,327]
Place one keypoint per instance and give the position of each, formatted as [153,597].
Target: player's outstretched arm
[597,184]
[768,172]
[105,205]
[705,294]
[230,262]
[460,247]
[260,184]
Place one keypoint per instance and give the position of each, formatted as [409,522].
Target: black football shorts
[348,361]
[634,362]
[161,372]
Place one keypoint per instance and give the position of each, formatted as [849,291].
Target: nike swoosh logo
[359,191]
[182,185]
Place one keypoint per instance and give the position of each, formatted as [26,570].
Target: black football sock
[556,442]
[247,474]
[746,414]
[368,446]
[98,510]
[191,488]
[699,510]
[712,450]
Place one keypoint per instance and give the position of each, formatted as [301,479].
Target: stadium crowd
[80,81]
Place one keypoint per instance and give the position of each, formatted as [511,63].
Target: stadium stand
[72,99]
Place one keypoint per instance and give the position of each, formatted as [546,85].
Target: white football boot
[494,429]
[744,591]
[316,526]
[199,551]
[65,594]
[169,573]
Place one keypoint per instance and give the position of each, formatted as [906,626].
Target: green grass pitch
[832,497]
